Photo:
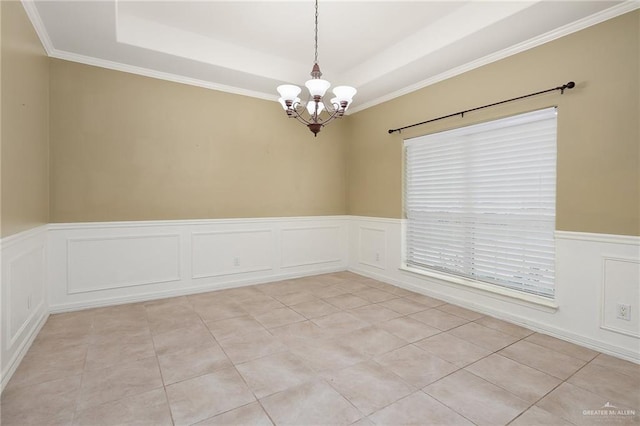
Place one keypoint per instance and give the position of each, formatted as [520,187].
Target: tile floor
[330,349]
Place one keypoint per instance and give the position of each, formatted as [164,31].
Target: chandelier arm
[332,116]
[302,120]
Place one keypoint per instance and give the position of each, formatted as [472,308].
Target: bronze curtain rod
[569,85]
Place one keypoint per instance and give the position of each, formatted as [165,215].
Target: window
[480,202]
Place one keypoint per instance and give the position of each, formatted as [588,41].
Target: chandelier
[315,113]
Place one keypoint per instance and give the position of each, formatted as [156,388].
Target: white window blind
[480,202]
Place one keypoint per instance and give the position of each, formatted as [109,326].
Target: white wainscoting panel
[313,245]
[583,288]
[372,247]
[125,261]
[231,252]
[621,285]
[23,296]
[98,264]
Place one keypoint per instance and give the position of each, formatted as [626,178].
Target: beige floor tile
[368,386]
[522,381]
[314,403]
[177,340]
[484,337]
[197,399]
[327,355]
[72,324]
[363,422]
[618,388]
[279,288]
[551,362]
[52,402]
[295,298]
[575,404]
[561,346]
[372,341]
[460,312]
[116,335]
[192,362]
[476,399]
[259,305]
[247,415]
[417,367]
[353,286]
[374,295]
[315,309]
[149,408]
[236,326]
[404,306]
[536,416]
[218,311]
[438,319]
[341,322]
[452,349]
[39,367]
[119,381]
[300,333]
[167,304]
[374,314]
[275,373]
[430,302]
[616,364]
[129,348]
[347,301]
[328,291]
[251,346]
[418,409]
[399,291]
[178,316]
[279,317]
[504,327]
[131,317]
[409,329]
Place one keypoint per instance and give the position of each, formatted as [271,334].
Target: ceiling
[383,48]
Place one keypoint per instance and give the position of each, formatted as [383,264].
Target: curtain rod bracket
[569,85]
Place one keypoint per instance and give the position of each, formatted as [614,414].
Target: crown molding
[596,18]
[146,72]
[32,12]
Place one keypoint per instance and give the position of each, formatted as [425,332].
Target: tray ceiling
[383,48]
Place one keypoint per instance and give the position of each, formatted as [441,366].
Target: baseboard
[13,365]
[102,302]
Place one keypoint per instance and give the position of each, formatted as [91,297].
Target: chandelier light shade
[315,113]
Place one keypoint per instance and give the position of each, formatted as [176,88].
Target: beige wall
[598,188]
[126,147]
[25,123]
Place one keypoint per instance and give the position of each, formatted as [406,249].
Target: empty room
[322,212]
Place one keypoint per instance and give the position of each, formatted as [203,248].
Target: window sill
[491,290]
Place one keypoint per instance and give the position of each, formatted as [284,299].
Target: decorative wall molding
[312,245]
[251,251]
[620,284]
[98,264]
[23,295]
[294,247]
[103,263]
[598,238]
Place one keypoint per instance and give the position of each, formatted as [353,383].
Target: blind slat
[480,202]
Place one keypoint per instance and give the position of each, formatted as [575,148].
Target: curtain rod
[569,85]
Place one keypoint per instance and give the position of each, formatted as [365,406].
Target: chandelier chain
[316,34]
